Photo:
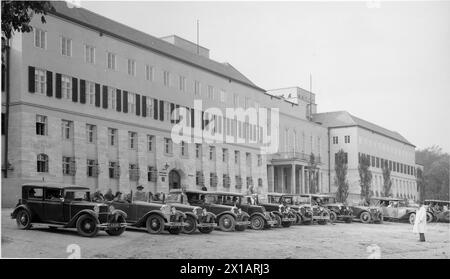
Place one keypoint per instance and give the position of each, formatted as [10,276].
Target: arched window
[42,163]
[260,182]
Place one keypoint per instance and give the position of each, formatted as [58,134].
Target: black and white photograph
[225,130]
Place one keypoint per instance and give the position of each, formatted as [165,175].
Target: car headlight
[173,210]
[240,211]
[96,209]
[111,208]
[166,209]
[205,211]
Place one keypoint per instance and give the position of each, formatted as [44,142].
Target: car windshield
[77,195]
[211,199]
[228,200]
[303,200]
[173,198]
[273,199]
[288,200]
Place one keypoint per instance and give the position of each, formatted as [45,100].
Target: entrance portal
[174,180]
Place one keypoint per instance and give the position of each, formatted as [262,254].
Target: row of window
[40,41]
[226,180]
[336,139]
[41,82]
[393,166]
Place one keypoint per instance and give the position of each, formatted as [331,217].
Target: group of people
[438,207]
[139,195]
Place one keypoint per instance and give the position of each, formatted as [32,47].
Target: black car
[259,217]
[66,206]
[229,218]
[284,215]
[338,211]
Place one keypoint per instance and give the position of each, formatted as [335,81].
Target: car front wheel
[430,217]
[87,226]
[154,224]
[192,225]
[257,222]
[365,217]
[23,219]
[277,219]
[227,223]
[119,230]
[333,216]
[412,218]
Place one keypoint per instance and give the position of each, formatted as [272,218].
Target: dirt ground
[339,240]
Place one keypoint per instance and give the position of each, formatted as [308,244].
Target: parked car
[397,209]
[367,212]
[155,217]
[229,218]
[338,211]
[319,213]
[259,217]
[196,217]
[283,215]
[66,206]
[439,209]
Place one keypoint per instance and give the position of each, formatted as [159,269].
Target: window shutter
[177,119]
[97,95]
[125,101]
[161,110]
[192,118]
[82,91]
[144,106]
[105,96]
[72,166]
[58,86]
[118,100]
[49,83]
[138,104]
[155,109]
[172,108]
[75,90]
[116,170]
[31,73]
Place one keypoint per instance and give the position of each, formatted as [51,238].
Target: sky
[385,62]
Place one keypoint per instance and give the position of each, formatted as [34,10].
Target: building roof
[118,30]
[338,119]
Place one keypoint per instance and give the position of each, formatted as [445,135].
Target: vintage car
[196,217]
[338,211]
[283,215]
[367,213]
[439,210]
[397,209]
[66,206]
[229,218]
[154,216]
[320,213]
[259,217]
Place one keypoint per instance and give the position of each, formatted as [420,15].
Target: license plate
[114,225]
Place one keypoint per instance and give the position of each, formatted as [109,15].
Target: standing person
[109,195]
[420,223]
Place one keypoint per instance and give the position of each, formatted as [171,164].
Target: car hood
[86,203]
[182,206]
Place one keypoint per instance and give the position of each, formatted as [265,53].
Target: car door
[35,201]
[125,207]
[53,205]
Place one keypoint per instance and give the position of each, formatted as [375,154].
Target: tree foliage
[340,180]
[436,164]
[16,15]
[387,182]
[365,178]
[313,175]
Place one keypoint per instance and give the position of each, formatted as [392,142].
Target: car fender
[259,214]
[227,212]
[183,215]
[277,213]
[19,207]
[245,214]
[116,212]
[74,219]
[212,216]
[144,218]
[191,214]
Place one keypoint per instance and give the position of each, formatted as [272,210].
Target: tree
[365,178]
[16,15]
[387,182]
[340,180]
[420,184]
[313,176]
[436,164]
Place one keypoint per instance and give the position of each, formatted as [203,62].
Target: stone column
[271,175]
[293,181]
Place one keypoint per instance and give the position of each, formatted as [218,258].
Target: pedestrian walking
[420,223]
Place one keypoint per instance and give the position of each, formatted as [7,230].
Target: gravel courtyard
[339,240]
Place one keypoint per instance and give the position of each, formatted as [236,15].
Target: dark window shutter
[203,120]
[155,109]
[192,118]
[97,95]
[172,107]
[161,110]
[118,100]
[82,91]
[49,83]
[125,101]
[75,89]
[105,96]
[31,73]
[144,106]
[178,119]
[138,104]
[58,86]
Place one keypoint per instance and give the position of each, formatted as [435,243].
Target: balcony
[295,156]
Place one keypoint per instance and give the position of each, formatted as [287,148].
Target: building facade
[357,138]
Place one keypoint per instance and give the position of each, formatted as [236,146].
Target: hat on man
[140,187]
